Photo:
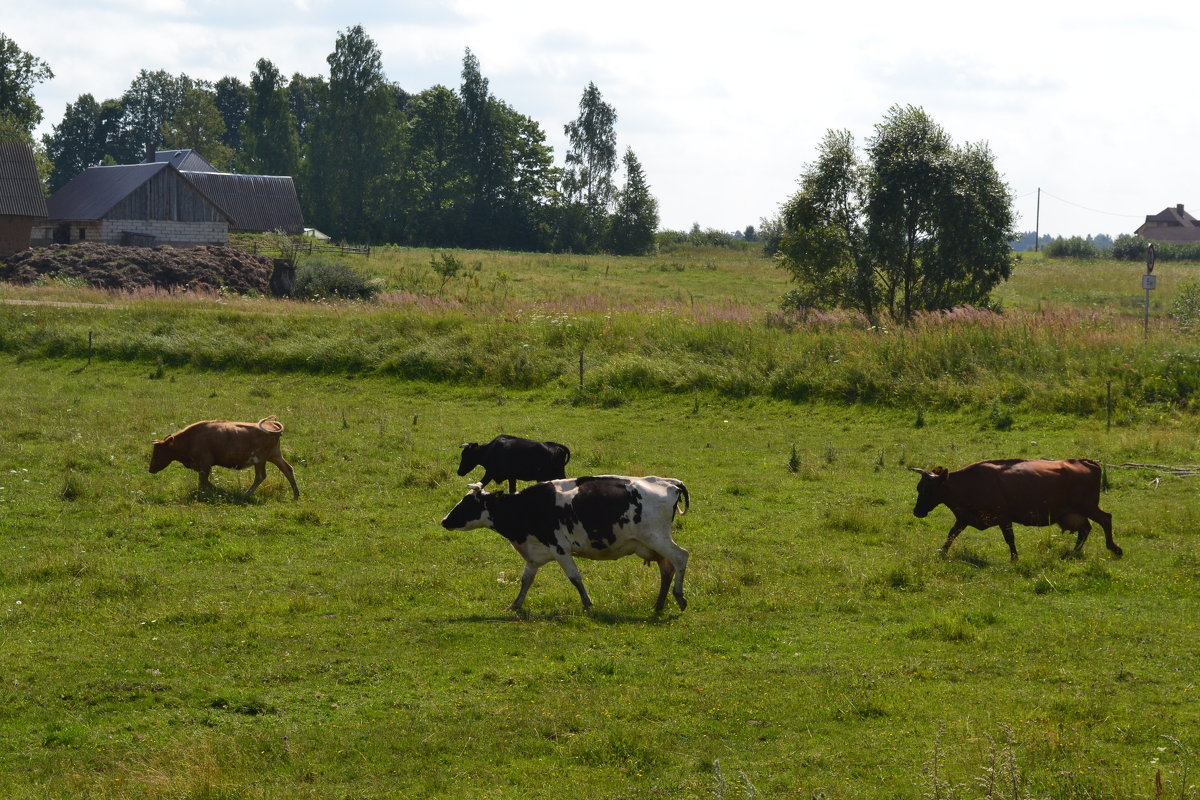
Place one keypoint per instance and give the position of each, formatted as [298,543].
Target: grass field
[162,643]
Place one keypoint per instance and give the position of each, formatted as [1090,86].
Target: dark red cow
[1004,491]
[221,443]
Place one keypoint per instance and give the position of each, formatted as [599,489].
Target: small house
[22,203]
[1171,225]
[137,204]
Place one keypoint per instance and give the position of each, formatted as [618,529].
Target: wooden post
[1108,405]
[581,370]
[89,348]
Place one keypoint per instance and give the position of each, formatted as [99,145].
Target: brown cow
[1004,491]
[221,443]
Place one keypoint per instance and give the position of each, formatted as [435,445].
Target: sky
[726,103]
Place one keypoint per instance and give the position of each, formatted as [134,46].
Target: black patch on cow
[529,512]
[603,504]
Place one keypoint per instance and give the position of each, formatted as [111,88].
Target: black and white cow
[511,458]
[597,517]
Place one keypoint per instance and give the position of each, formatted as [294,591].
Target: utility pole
[1037,219]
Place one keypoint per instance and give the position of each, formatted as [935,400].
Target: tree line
[372,162]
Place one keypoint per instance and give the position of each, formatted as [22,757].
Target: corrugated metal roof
[185,160]
[20,187]
[93,192]
[254,202]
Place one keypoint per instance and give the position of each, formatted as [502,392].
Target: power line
[1093,210]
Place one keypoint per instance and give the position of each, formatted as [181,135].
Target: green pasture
[159,642]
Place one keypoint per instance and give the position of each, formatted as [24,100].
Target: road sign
[1149,281]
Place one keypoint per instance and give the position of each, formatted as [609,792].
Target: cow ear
[939,471]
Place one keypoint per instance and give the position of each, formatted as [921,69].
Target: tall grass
[1054,360]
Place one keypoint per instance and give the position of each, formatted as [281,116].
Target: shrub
[1186,308]
[320,280]
[1075,247]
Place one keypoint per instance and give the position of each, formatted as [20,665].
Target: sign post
[1149,281]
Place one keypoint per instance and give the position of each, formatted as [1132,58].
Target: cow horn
[919,471]
[465,445]
[475,487]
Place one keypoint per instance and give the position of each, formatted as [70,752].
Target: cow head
[471,512]
[470,457]
[929,490]
[162,454]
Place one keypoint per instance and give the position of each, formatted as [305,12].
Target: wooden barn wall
[165,197]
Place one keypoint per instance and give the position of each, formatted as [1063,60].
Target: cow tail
[683,494]
[275,425]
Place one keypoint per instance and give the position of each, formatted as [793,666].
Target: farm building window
[82,234]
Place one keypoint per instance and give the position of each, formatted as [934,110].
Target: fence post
[89,348]
[581,370]
[1108,405]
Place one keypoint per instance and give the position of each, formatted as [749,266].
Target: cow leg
[512,485]
[1009,539]
[286,469]
[667,571]
[568,565]
[526,581]
[673,564]
[1081,537]
[950,537]
[260,475]
[205,483]
[1104,520]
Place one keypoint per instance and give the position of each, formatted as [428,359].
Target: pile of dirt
[131,268]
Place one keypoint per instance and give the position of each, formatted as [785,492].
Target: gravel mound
[131,268]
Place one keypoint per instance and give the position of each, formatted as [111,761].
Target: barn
[22,203]
[137,204]
[254,203]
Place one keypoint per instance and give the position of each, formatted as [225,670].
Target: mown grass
[163,643]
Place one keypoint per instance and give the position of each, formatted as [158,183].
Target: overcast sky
[724,104]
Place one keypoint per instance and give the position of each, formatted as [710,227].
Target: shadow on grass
[611,618]
[216,496]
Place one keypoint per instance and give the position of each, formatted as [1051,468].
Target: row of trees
[372,162]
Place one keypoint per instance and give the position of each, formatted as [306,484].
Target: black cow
[511,458]
[600,517]
[1004,491]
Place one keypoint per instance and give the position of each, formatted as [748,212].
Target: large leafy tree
[920,224]
[77,142]
[635,220]
[197,124]
[305,96]
[432,178]
[151,100]
[484,158]
[270,145]
[587,183]
[233,101]
[19,73]
[350,135]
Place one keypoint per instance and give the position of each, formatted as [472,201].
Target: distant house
[137,204]
[175,197]
[22,203]
[1172,225]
